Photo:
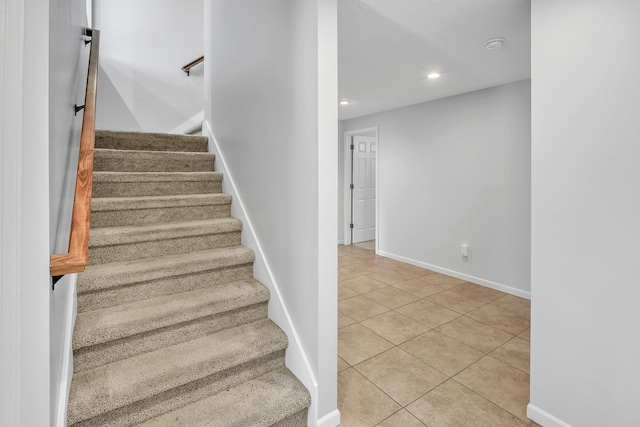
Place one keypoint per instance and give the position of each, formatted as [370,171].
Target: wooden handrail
[77,258]
[187,68]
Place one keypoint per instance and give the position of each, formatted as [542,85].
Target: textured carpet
[172,328]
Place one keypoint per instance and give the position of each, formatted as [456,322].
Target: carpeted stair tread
[123,140]
[127,381]
[101,354]
[119,211]
[127,184]
[270,399]
[151,161]
[110,176]
[175,398]
[113,244]
[112,275]
[155,202]
[108,324]
[107,236]
[172,328]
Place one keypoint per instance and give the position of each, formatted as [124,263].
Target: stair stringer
[296,358]
[191,123]
[70,304]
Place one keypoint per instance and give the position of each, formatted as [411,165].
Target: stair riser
[158,215]
[104,277]
[275,399]
[138,161]
[97,355]
[298,419]
[143,360]
[180,396]
[102,326]
[156,248]
[163,286]
[128,189]
[155,142]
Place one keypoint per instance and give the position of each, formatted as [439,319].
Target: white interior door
[364,188]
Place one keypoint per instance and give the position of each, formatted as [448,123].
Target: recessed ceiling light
[433,75]
[344,102]
[495,43]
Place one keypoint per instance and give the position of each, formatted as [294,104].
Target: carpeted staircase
[172,328]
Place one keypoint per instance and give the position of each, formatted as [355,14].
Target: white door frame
[348,205]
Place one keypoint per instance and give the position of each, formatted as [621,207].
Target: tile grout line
[484,353]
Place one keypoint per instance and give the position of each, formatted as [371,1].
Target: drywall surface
[340,154]
[454,171]
[24,214]
[144,44]
[327,170]
[271,91]
[68,62]
[585,210]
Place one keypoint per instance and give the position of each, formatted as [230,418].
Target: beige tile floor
[418,348]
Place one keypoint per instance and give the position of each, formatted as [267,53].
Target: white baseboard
[341,242]
[71,311]
[332,419]
[296,358]
[477,280]
[544,418]
[189,123]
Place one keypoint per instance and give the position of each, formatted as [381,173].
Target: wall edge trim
[544,418]
[332,419]
[66,375]
[469,278]
[296,357]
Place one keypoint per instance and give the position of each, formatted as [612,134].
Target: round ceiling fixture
[344,102]
[495,43]
[433,75]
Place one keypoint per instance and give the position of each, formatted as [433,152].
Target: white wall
[585,210]
[271,104]
[144,43]
[24,214]
[340,191]
[454,171]
[68,61]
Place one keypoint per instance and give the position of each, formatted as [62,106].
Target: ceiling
[386,48]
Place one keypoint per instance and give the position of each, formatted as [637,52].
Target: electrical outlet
[465,250]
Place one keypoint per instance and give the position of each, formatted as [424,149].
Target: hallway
[419,348]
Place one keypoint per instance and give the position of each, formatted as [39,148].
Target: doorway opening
[361,186]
